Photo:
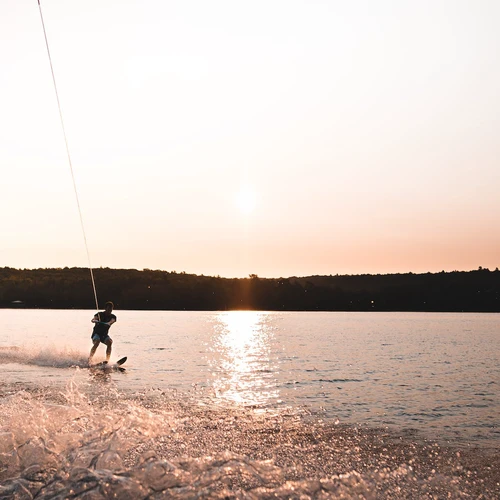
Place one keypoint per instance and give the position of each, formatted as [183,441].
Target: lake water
[228,384]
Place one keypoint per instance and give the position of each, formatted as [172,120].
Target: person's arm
[95,319]
[111,321]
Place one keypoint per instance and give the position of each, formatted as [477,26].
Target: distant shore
[71,288]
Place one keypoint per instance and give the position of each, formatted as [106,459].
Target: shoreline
[131,289]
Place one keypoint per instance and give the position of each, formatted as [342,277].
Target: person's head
[109,306]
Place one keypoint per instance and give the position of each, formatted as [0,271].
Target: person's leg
[108,342]
[93,350]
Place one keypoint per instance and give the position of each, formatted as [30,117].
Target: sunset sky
[280,138]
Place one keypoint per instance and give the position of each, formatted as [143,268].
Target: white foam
[92,437]
[44,356]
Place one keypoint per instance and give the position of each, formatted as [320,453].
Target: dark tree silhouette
[477,290]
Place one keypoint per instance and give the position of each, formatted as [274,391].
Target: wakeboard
[104,365]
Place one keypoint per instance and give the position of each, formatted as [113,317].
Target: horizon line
[254,275]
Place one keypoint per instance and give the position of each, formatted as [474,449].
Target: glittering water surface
[251,405]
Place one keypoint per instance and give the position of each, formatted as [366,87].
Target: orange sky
[277,138]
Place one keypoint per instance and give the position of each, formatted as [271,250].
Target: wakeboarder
[103,321]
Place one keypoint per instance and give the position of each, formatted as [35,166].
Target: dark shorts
[96,337]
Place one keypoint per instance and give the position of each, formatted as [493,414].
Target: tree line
[66,288]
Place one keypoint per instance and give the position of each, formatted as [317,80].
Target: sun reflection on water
[242,366]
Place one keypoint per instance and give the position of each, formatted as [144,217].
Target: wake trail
[44,357]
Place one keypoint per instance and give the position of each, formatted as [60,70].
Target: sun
[245,200]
